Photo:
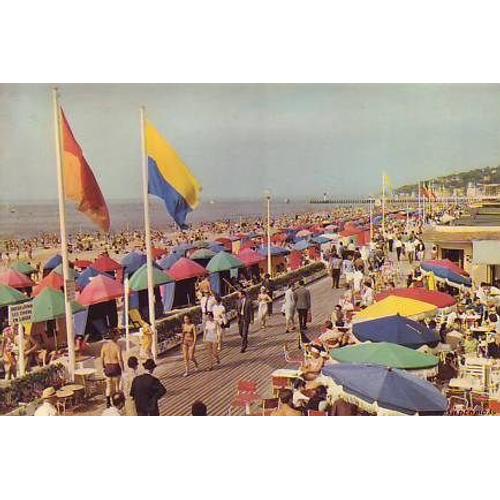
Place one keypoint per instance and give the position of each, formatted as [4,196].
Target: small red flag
[80,185]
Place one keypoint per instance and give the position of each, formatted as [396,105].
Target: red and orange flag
[80,185]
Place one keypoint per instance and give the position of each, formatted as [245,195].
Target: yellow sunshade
[393,305]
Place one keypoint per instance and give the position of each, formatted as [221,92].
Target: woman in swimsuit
[188,344]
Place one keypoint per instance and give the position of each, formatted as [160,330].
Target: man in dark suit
[303,304]
[146,390]
[245,317]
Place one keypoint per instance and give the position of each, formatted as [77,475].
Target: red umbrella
[184,269]
[82,263]
[106,264]
[100,289]
[249,257]
[447,264]
[439,299]
[158,252]
[52,280]
[15,279]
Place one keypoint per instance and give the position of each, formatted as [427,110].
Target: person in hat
[263,312]
[116,409]
[312,367]
[47,408]
[147,390]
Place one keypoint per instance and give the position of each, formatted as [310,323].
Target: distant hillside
[458,180]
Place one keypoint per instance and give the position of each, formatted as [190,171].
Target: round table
[63,395]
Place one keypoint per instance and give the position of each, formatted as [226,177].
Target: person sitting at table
[47,408]
[494,348]
[285,405]
[341,408]
[318,400]
[447,370]
[470,345]
[312,367]
[330,337]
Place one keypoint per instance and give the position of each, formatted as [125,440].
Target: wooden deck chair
[246,396]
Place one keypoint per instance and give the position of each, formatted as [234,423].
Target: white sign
[20,313]
[70,286]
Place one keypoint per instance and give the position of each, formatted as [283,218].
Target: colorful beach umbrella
[300,246]
[396,330]
[320,240]
[201,244]
[85,277]
[50,305]
[53,280]
[377,388]
[216,248]
[202,254]
[52,263]
[9,296]
[106,264]
[15,279]
[139,280]
[100,289]
[439,299]
[169,260]
[82,263]
[133,261]
[446,274]
[303,233]
[223,261]
[445,264]
[275,251]
[185,269]
[250,257]
[23,268]
[182,248]
[393,305]
[385,354]
[59,270]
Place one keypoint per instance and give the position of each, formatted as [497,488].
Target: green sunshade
[201,244]
[9,296]
[59,270]
[223,262]
[202,254]
[50,305]
[385,354]
[23,268]
[139,280]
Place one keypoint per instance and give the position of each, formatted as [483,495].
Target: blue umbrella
[133,261]
[183,248]
[390,388]
[301,245]
[396,330]
[216,248]
[52,263]
[446,274]
[169,260]
[84,279]
[274,250]
[320,240]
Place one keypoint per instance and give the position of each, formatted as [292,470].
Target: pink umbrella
[15,279]
[100,289]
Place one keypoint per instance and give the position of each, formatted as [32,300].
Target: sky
[298,141]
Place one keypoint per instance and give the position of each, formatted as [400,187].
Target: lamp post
[267,194]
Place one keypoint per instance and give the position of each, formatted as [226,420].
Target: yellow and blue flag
[169,177]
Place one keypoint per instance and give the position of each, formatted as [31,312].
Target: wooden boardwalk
[264,355]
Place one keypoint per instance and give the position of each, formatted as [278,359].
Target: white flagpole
[371,218]
[269,262]
[127,325]
[383,204]
[419,201]
[62,226]
[147,227]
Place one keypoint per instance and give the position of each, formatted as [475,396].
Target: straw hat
[48,392]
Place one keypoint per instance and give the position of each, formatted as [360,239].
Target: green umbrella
[49,304]
[139,280]
[23,268]
[59,270]
[223,262]
[9,296]
[202,254]
[385,354]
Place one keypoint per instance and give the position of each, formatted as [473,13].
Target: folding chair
[269,405]
[246,396]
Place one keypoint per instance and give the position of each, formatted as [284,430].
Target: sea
[26,220]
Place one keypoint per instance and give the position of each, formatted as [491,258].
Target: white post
[269,265]
[20,345]
[62,227]
[371,219]
[383,204]
[147,228]
[127,325]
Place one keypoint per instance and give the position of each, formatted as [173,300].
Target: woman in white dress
[219,312]
[210,339]
[289,308]
[263,300]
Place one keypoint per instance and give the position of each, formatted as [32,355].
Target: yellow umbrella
[393,305]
